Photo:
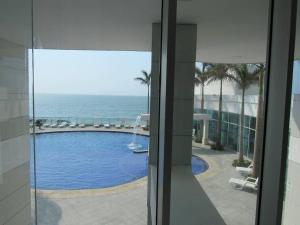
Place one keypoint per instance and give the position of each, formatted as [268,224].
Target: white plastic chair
[245,171]
[249,182]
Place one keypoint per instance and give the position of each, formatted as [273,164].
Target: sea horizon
[113,95]
[75,107]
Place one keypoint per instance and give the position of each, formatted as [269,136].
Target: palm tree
[259,126]
[221,73]
[201,77]
[145,80]
[245,76]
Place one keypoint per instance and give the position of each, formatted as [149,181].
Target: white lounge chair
[46,125]
[107,125]
[54,125]
[82,125]
[73,125]
[127,126]
[249,182]
[96,125]
[245,171]
[118,126]
[63,125]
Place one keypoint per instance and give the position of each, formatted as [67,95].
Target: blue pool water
[85,160]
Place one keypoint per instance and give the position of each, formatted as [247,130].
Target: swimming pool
[88,160]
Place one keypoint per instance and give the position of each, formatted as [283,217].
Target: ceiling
[229,31]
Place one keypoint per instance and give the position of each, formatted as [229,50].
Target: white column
[205,132]
[183,93]
[183,104]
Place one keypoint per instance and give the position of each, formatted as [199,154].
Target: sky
[90,72]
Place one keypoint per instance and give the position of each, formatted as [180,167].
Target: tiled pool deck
[126,204]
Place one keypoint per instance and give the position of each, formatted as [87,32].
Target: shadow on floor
[206,151]
[48,212]
[190,205]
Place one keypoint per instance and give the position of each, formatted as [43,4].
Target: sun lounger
[127,126]
[82,125]
[107,125]
[118,126]
[96,125]
[54,125]
[46,125]
[245,171]
[73,125]
[63,125]
[249,182]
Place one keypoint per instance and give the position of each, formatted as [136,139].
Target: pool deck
[126,204]
[90,128]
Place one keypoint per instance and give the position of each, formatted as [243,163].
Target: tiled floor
[124,208]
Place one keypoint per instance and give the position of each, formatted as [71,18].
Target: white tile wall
[14,152]
[14,135]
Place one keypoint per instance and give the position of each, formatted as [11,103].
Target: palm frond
[145,78]
[245,75]
[201,75]
[217,72]
[142,80]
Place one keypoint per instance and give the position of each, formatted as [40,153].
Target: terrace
[128,200]
[226,44]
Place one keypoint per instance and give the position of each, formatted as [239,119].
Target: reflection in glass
[224,51]
[291,205]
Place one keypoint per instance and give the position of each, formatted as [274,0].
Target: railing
[87,121]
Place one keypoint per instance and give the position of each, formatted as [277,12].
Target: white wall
[229,88]
[231,98]
[231,103]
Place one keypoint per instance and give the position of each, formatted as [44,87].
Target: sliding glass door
[219,61]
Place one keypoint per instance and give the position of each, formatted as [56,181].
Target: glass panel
[291,207]
[234,118]
[251,143]
[247,121]
[213,181]
[96,84]
[252,122]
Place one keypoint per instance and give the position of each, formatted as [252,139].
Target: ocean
[89,108]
